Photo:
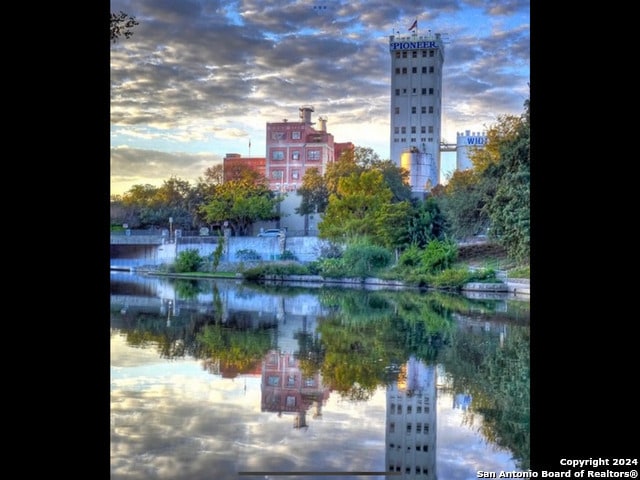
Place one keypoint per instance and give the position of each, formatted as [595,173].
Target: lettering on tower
[412,45]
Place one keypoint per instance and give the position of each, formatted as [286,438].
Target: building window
[295,135]
[313,155]
[414,69]
[423,109]
[403,130]
[430,139]
[413,129]
[431,91]
[430,109]
[295,155]
[404,54]
[422,129]
[404,91]
[291,401]
[408,428]
[396,130]
[414,54]
[397,91]
[404,70]
[419,410]
[398,54]
[424,69]
[431,69]
[277,155]
[392,427]
[431,129]
[291,381]
[396,110]
[397,70]
[409,406]
[413,109]
[273,381]
[424,91]
[424,53]
[278,135]
[295,174]
[413,139]
[277,174]
[414,91]
[432,53]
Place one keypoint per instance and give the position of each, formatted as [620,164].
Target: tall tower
[416,102]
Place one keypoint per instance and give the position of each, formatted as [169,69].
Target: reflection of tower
[411,422]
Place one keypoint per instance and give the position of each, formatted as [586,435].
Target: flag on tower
[414,25]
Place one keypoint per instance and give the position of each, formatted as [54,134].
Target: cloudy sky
[201,78]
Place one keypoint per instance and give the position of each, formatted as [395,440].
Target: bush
[439,255]
[452,278]
[248,255]
[188,261]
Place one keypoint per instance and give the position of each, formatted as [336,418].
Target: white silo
[422,168]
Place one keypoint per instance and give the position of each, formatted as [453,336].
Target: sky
[201,78]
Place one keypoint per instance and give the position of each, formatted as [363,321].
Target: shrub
[365,260]
[248,255]
[188,261]
[439,255]
[453,278]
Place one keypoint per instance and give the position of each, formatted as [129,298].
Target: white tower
[416,97]
[467,141]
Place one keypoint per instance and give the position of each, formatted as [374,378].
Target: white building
[416,111]
[466,142]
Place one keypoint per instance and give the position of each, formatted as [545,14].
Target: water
[223,380]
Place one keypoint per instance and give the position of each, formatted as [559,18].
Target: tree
[362,207]
[315,195]
[241,202]
[121,24]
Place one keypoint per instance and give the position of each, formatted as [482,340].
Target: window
[291,401]
[423,109]
[414,69]
[392,427]
[403,130]
[291,381]
[431,91]
[404,91]
[396,110]
[295,155]
[404,70]
[431,69]
[422,130]
[278,135]
[430,109]
[413,109]
[424,69]
[295,174]
[424,91]
[397,70]
[432,53]
[408,428]
[397,91]
[409,406]
[413,139]
[313,155]
[424,53]
[414,54]
[397,54]
[413,91]
[277,155]
[273,381]
[396,130]
[295,135]
[413,129]
[404,54]
[277,174]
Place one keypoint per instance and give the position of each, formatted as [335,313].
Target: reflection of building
[285,389]
[411,422]
[462,401]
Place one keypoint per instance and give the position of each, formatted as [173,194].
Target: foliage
[314,193]
[120,25]
[288,255]
[426,222]
[238,349]
[188,261]
[364,260]
[242,201]
[439,255]
[259,272]
[217,253]
[450,278]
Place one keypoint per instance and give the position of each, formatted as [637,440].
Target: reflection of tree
[310,352]
[240,350]
[186,289]
[496,374]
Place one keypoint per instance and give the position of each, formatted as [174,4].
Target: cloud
[201,78]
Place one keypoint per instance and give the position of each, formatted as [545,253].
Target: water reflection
[216,379]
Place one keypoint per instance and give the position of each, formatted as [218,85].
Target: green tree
[241,202]
[121,24]
[363,206]
[314,192]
